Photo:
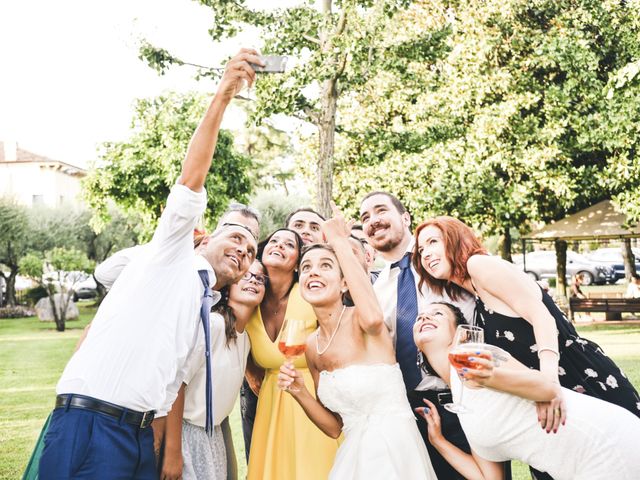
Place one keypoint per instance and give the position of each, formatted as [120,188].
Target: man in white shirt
[135,355]
[386,224]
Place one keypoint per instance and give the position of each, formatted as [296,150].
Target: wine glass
[293,340]
[467,342]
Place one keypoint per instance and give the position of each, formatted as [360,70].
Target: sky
[69,69]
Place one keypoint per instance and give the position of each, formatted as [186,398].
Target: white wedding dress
[381,438]
[599,441]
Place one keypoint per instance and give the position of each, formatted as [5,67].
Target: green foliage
[274,208]
[138,174]
[32,295]
[32,265]
[58,269]
[525,112]
[340,45]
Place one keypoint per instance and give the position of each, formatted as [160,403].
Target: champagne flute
[467,342]
[293,340]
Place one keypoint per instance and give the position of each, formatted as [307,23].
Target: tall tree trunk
[10,295]
[505,245]
[629,260]
[326,135]
[561,258]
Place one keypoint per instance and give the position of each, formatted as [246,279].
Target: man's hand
[237,72]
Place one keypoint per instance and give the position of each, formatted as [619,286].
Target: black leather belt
[139,419]
[439,397]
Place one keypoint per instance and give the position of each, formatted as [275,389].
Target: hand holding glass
[468,341]
[293,340]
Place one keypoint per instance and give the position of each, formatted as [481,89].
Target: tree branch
[311,39]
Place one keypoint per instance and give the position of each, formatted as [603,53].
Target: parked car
[84,289]
[613,258]
[542,264]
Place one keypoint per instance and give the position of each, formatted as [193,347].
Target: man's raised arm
[203,143]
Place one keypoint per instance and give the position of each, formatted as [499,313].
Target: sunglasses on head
[230,224]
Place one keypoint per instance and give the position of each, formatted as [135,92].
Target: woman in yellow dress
[285,444]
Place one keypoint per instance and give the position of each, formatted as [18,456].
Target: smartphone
[272,64]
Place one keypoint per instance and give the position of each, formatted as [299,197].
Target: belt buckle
[445,398]
[147,417]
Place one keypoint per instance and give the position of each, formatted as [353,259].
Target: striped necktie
[205,310]
[406,313]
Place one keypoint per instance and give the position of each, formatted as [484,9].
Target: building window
[37,200]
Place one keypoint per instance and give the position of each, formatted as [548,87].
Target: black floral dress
[583,366]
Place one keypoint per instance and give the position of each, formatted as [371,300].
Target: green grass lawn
[33,355]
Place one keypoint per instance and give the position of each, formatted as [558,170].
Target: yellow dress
[285,445]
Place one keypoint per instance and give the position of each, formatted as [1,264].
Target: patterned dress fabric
[583,366]
[204,456]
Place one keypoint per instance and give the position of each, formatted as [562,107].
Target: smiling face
[383,224]
[307,225]
[321,278]
[230,251]
[281,251]
[431,248]
[435,325]
[251,287]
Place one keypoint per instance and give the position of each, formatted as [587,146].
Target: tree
[137,175]
[342,44]
[14,243]
[519,116]
[57,269]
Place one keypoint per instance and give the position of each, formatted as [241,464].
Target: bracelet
[545,349]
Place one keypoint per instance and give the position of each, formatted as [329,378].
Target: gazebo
[596,223]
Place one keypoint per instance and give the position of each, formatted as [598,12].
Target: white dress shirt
[386,289]
[135,354]
[228,363]
[109,270]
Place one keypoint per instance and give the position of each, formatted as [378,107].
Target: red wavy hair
[460,243]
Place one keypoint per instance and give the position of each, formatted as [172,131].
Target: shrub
[16,312]
[32,295]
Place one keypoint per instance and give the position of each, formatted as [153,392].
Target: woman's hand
[172,466]
[290,380]
[552,414]
[337,226]
[430,414]
[483,361]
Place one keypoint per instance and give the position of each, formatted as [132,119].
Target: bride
[351,358]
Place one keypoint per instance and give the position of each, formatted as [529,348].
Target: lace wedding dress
[381,439]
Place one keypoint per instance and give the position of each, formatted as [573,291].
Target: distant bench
[612,307]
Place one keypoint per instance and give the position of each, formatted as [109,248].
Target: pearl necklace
[335,330]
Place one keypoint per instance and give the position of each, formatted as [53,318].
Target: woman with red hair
[518,316]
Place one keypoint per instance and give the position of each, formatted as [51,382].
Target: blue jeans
[83,444]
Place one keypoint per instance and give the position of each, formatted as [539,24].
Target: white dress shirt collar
[203,264]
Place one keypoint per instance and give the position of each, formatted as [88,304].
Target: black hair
[299,245]
[459,320]
[394,200]
[635,276]
[303,209]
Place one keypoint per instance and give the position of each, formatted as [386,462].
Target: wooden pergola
[596,223]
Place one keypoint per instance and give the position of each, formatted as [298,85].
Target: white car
[542,264]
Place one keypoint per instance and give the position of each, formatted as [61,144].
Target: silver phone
[272,64]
